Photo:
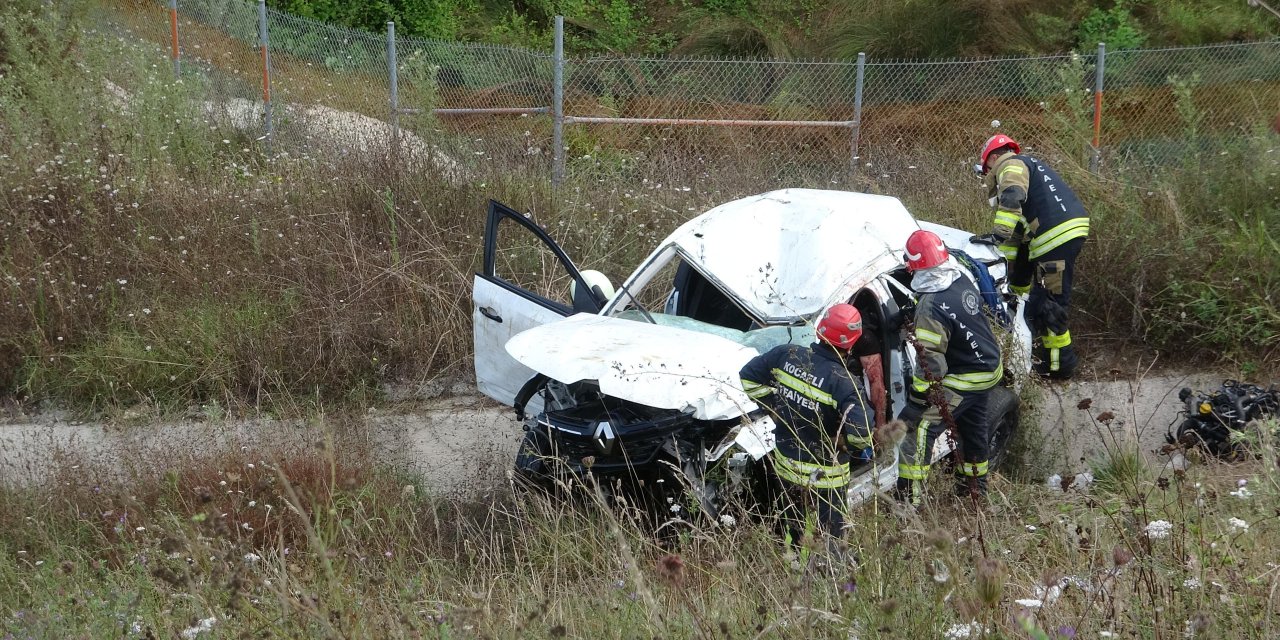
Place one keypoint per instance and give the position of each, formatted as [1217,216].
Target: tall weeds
[324,541]
[153,253]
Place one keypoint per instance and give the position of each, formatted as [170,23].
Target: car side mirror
[598,293]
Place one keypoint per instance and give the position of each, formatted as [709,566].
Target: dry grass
[310,542]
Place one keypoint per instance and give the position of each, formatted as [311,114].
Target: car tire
[1003,412]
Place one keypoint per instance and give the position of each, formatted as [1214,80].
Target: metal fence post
[266,71]
[1095,163]
[857,115]
[395,88]
[173,27]
[557,105]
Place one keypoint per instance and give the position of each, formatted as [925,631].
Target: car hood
[656,366]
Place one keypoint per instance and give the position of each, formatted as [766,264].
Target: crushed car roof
[783,253]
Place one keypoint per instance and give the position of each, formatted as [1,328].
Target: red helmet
[840,326]
[998,141]
[925,250]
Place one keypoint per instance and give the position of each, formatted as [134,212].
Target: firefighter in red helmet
[961,354]
[823,422]
[1040,226]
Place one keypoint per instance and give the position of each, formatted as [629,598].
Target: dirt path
[466,443]
[459,444]
[1143,407]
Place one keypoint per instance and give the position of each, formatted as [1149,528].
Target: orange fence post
[173,27]
[266,71]
[1096,161]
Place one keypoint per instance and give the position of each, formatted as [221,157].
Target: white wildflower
[1082,481]
[250,558]
[1191,583]
[1159,529]
[1243,493]
[971,630]
[1238,524]
[728,520]
[940,572]
[202,626]
[1050,594]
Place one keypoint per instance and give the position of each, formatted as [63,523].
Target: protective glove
[895,323]
[911,414]
[987,238]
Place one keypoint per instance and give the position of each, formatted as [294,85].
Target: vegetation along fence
[472,108]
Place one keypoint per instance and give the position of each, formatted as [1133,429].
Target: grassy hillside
[151,254]
[811,28]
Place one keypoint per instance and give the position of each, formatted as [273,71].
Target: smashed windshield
[673,293]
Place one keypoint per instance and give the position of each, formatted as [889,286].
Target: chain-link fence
[472,109]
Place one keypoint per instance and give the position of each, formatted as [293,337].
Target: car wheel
[1002,408]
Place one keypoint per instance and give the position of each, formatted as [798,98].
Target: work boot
[966,486]
[908,491]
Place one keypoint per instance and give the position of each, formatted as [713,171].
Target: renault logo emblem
[604,437]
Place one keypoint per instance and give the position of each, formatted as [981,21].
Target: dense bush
[883,28]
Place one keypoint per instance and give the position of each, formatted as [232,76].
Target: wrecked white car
[641,384]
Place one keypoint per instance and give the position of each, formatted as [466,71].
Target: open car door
[526,282]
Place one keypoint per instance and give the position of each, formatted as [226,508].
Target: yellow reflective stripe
[1056,341]
[1020,289]
[1009,219]
[925,335]
[1055,357]
[811,475]
[1013,167]
[808,468]
[974,381]
[919,384]
[803,388]
[913,472]
[964,385]
[755,389]
[979,376]
[972,469]
[859,442]
[1058,236]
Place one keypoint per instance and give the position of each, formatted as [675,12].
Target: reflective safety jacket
[959,346]
[1034,206]
[817,403]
